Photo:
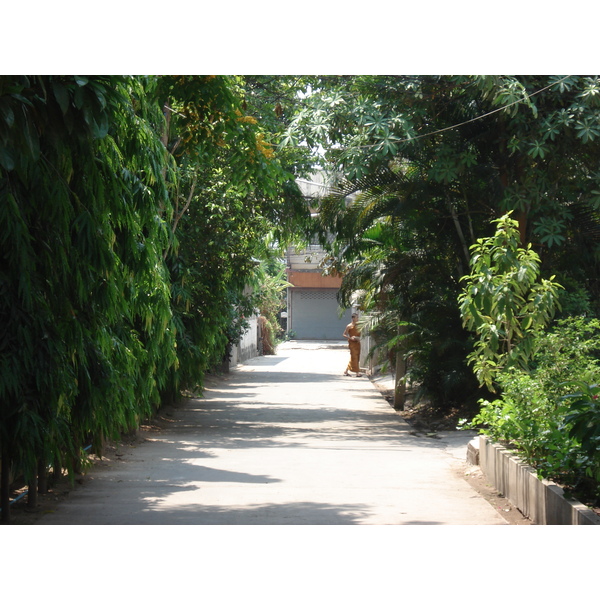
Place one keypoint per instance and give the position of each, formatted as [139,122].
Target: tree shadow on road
[293,513]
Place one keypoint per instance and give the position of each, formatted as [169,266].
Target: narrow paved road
[283,439]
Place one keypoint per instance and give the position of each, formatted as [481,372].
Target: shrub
[550,414]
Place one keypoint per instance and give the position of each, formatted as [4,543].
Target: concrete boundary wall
[248,346]
[540,500]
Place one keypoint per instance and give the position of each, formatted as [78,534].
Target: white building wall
[248,346]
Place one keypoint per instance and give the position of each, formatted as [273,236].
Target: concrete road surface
[284,439]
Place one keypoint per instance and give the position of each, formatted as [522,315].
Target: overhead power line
[410,139]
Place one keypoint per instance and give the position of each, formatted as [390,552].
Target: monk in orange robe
[352,334]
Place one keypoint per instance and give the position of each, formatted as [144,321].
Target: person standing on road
[352,334]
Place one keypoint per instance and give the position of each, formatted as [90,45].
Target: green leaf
[6,158]
[537,149]
[7,113]
[100,126]
[587,130]
[61,94]
[595,200]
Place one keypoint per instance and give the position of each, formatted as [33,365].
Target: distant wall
[248,346]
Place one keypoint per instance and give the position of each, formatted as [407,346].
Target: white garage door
[315,315]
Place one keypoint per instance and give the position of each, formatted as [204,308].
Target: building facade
[313,311]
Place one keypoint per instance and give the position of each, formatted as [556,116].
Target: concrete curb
[540,500]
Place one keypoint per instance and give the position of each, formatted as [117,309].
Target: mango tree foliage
[505,302]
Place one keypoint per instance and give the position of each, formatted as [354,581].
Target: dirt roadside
[476,479]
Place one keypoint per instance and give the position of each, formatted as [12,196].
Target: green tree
[483,145]
[83,290]
[269,295]
[505,302]
[131,208]
[233,192]
[445,157]
[401,264]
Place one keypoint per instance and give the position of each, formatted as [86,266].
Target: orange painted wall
[313,279]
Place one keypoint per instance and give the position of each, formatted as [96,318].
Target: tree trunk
[459,231]
[399,390]
[32,492]
[400,386]
[522,220]
[56,471]
[42,477]
[226,359]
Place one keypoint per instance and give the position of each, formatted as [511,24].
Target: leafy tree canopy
[423,165]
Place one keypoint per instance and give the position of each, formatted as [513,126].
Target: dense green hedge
[130,212]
